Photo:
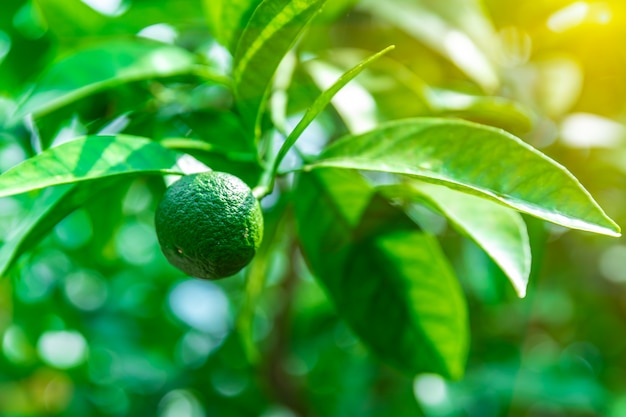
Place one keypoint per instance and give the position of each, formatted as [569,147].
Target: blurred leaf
[274,229]
[492,110]
[388,280]
[334,9]
[75,20]
[457,29]
[89,158]
[476,159]
[271,32]
[228,18]
[100,67]
[71,18]
[499,231]
[49,208]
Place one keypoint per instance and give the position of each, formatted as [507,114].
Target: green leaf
[389,280]
[49,207]
[315,109]
[227,19]
[499,231]
[100,67]
[89,158]
[271,32]
[476,159]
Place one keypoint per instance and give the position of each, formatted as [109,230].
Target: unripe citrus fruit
[209,225]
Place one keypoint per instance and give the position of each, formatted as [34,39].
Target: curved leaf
[103,66]
[499,231]
[271,32]
[227,19]
[89,158]
[476,159]
[390,281]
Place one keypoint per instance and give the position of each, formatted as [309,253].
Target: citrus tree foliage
[415,163]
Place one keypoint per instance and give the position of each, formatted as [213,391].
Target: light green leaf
[459,30]
[227,19]
[271,32]
[499,231]
[389,280]
[89,158]
[476,159]
[100,67]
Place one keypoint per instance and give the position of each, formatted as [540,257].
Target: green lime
[209,225]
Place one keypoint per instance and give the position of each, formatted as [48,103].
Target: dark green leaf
[387,279]
[100,67]
[271,32]
[89,158]
[499,231]
[476,159]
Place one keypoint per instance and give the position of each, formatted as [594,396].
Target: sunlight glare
[107,7]
[201,305]
[465,54]
[568,17]
[159,32]
[62,349]
[578,13]
[430,389]
[585,130]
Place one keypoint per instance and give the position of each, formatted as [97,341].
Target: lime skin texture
[209,225]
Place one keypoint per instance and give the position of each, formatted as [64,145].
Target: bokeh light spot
[202,305]
[11,153]
[159,32]
[107,7]
[195,347]
[62,349]
[568,17]
[75,231]
[15,345]
[430,389]
[136,243]
[584,130]
[180,403]
[613,262]
[228,383]
[85,289]
[39,277]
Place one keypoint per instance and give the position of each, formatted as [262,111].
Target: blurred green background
[94,322]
